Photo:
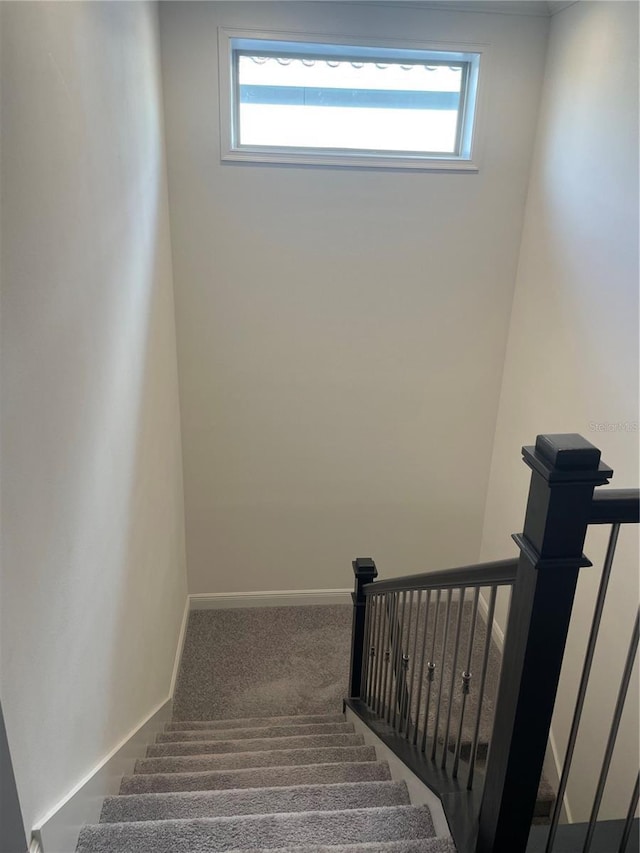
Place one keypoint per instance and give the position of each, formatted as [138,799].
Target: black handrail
[615,506]
[499,573]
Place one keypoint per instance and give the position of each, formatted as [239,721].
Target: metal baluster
[384,603]
[444,652]
[466,679]
[384,653]
[454,665]
[386,645]
[365,648]
[613,733]
[388,688]
[373,650]
[584,683]
[404,699]
[389,656]
[398,660]
[628,824]
[421,673]
[379,654]
[375,642]
[483,679]
[403,691]
[431,668]
[413,665]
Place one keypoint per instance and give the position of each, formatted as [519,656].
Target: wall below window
[93,581]
[341,332]
[572,359]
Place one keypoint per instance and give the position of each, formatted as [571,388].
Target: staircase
[301,782]
[424,677]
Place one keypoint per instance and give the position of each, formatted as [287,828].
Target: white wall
[341,333]
[93,580]
[572,358]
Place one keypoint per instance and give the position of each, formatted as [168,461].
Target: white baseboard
[278,598]
[58,830]
[180,647]
[552,768]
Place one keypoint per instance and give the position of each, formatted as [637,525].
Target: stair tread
[545,791]
[205,835]
[346,771]
[192,804]
[266,758]
[202,747]
[256,732]
[255,722]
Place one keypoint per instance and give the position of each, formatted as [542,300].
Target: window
[310,102]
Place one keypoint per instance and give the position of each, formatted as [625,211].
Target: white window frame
[231,151]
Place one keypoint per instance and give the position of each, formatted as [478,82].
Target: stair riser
[224,746]
[233,761]
[254,722]
[205,836]
[369,771]
[260,801]
[253,733]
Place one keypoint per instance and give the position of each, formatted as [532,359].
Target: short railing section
[472,719]
[614,507]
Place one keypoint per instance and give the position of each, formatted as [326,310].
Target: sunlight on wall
[93,583]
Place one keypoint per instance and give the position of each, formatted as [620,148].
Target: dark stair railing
[416,638]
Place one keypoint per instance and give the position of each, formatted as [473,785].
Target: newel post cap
[567,458]
[364,568]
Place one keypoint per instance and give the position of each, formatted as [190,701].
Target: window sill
[349,161]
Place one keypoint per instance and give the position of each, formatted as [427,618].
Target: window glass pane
[352,104]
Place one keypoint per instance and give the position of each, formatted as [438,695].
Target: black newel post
[365,571]
[566,468]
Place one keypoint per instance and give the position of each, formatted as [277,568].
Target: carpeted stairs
[280,783]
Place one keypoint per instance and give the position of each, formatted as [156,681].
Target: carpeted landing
[279,784]
[264,661]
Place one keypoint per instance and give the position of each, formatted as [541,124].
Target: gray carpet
[425,845]
[258,757]
[242,760]
[205,747]
[298,798]
[270,661]
[366,771]
[264,662]
[348,826]
[272,730]
[330,794]
[256,722]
